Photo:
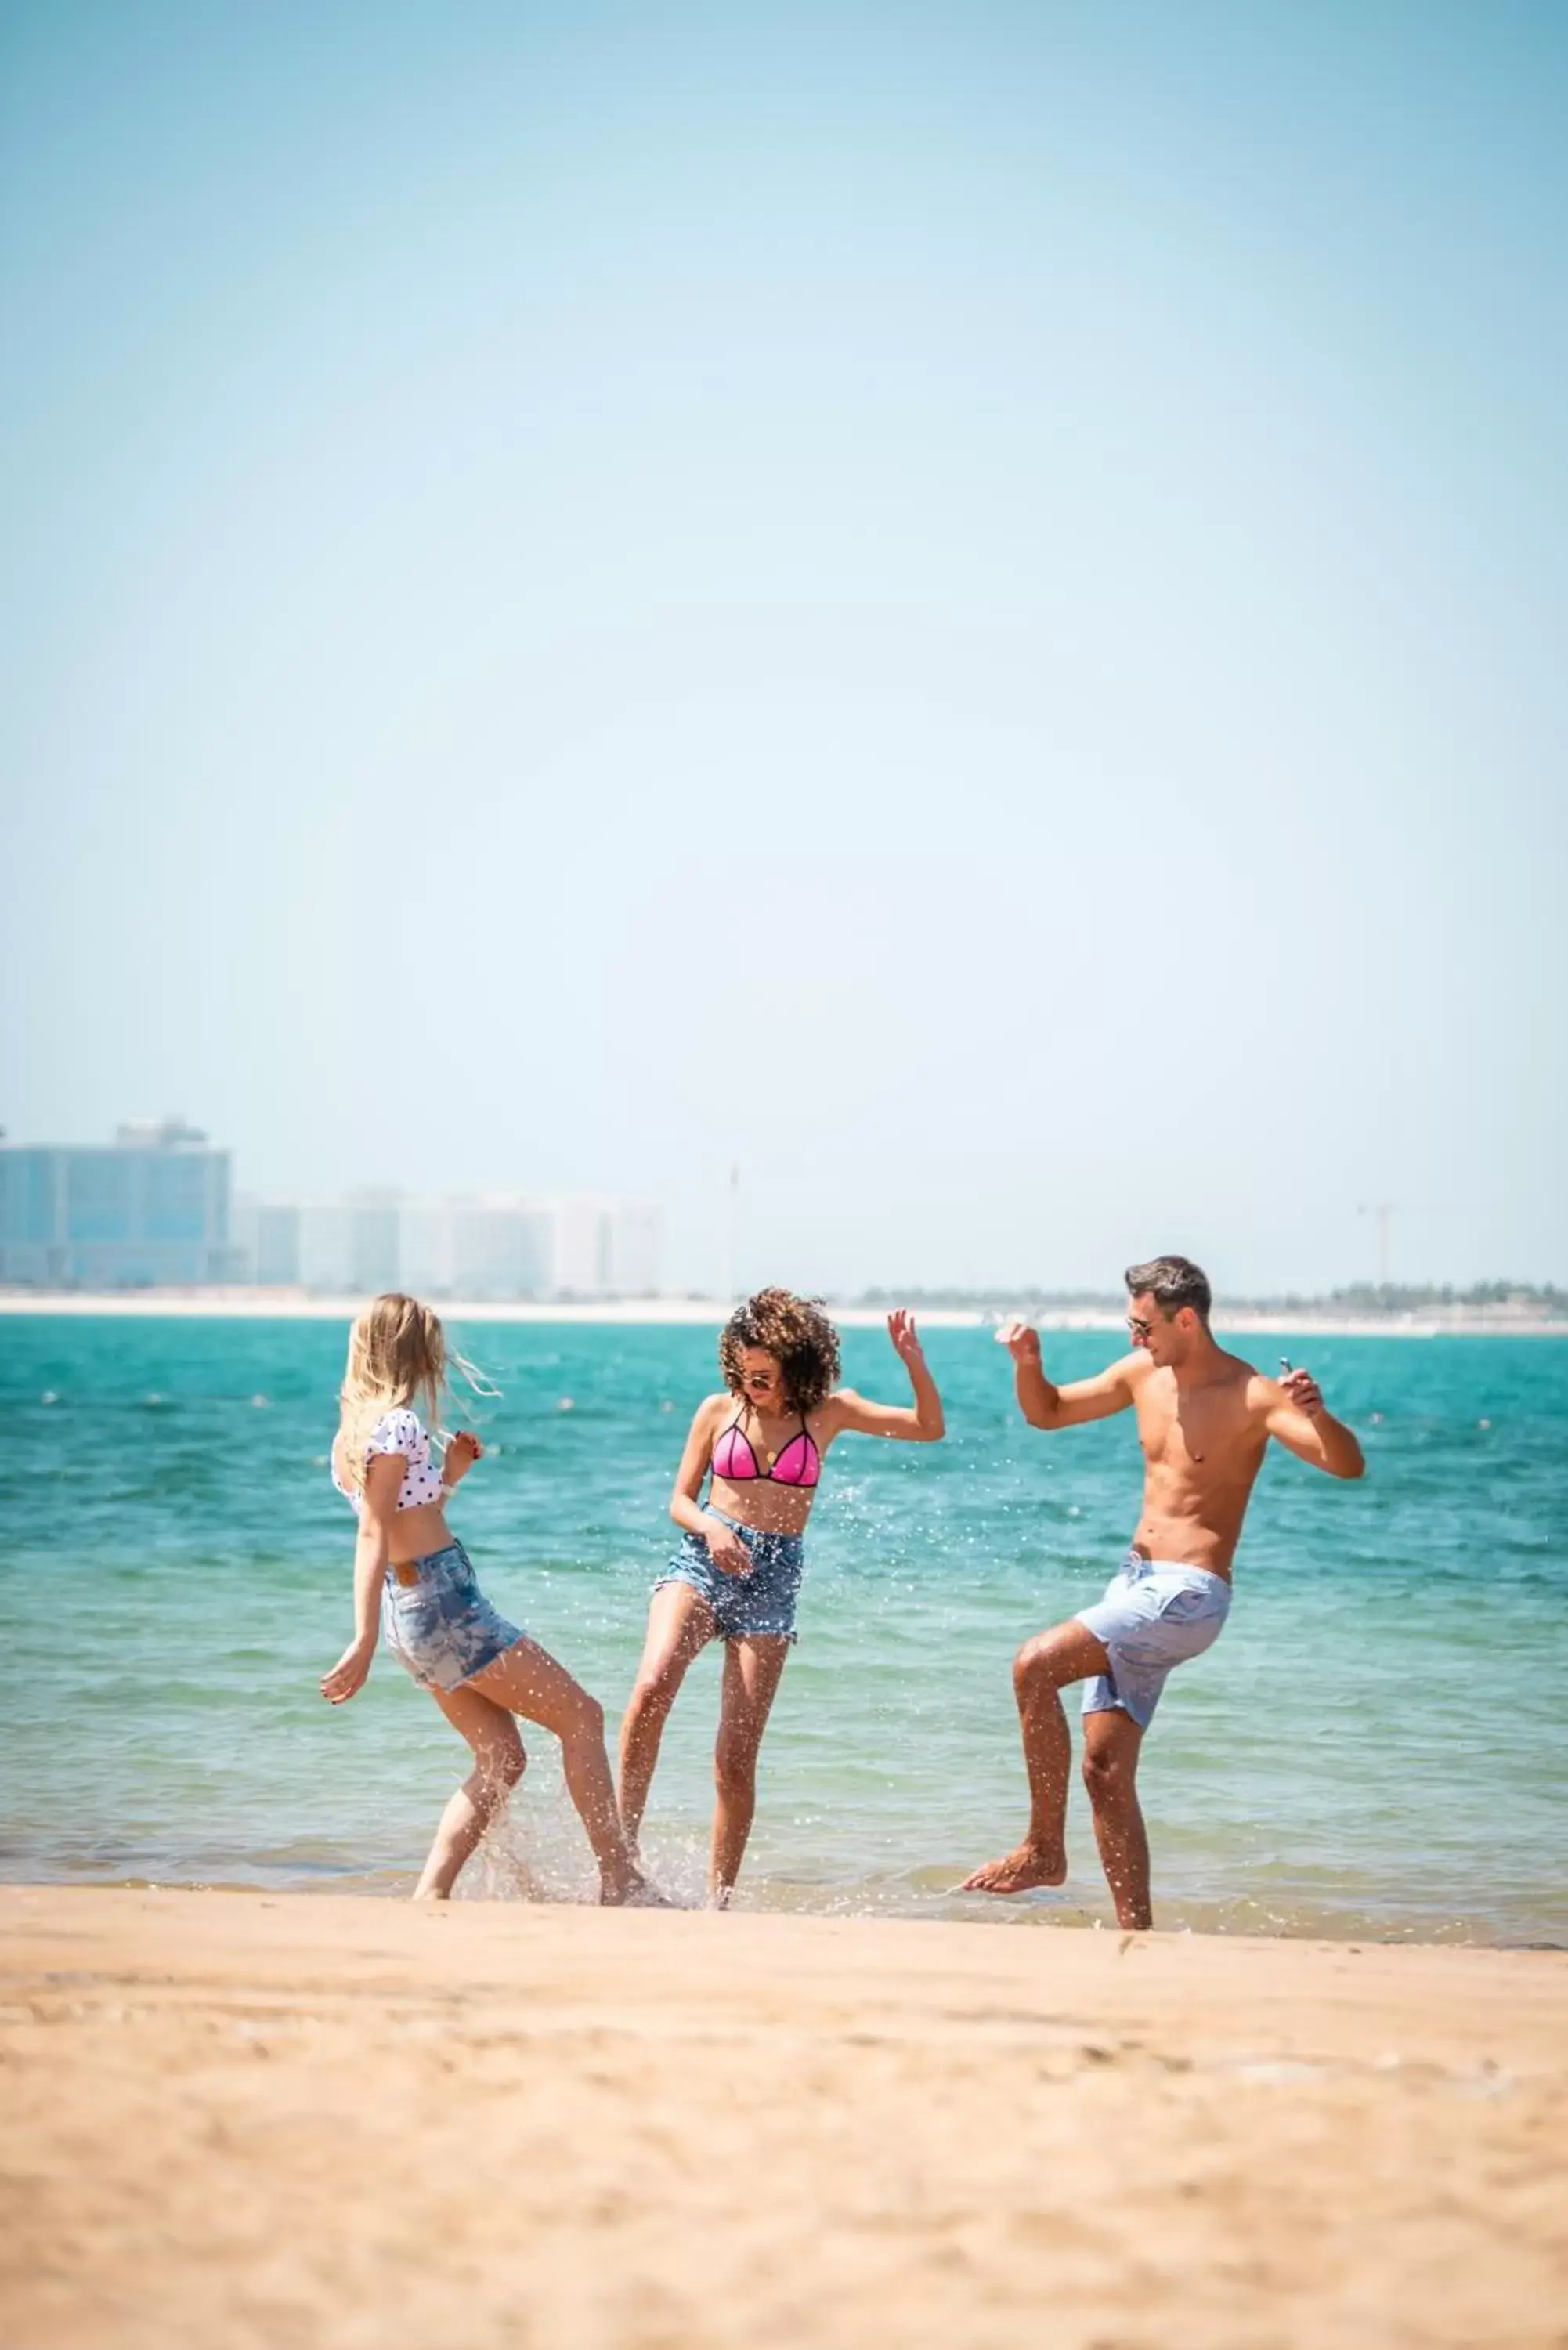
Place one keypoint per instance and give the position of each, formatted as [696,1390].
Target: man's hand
[906,1341]
[350,1673]
[1296,1416]
[1022,1340]
[725,1548]
[1303,1392]
[463,1450]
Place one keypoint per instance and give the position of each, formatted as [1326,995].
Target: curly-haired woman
[735,1579]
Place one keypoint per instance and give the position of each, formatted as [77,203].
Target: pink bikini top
[800,1463]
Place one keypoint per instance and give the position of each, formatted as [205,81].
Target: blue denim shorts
[757,1605]
[1152,1617]
[443,1627]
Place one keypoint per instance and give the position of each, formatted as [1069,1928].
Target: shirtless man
[1204,1421]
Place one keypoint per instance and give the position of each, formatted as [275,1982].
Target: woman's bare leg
[528,1680]
[680,1626]
[498,1764]
[752,1670]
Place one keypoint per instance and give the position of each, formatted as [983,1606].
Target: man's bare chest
[1202,1430]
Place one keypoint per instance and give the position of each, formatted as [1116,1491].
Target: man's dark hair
[1172,1282]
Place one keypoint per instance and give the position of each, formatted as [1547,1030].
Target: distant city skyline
[473,1245]
[157,1205]
[961,609]
[490,1243]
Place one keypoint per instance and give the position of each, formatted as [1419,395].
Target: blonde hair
[397,1359]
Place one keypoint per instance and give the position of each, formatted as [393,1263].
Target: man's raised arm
[1297,1417]
[1045,1406]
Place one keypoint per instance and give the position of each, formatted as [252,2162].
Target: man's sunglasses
[1139,1329]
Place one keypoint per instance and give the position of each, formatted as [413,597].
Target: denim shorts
[1153,1616]
[757,1606]
[443,1627]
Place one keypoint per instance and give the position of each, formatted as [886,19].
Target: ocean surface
[1375,1748]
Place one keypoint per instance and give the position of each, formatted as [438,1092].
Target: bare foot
[1018,1871]
[630,1889]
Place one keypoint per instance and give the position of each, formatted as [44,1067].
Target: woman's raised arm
[923,1423]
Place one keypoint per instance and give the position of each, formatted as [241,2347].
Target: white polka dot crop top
[400,1431]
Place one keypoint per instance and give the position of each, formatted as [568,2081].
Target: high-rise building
[275,1250]
[487,1245]
[151,1207]
[343,1247]
[491,1245]
[634,1249]
[581,1255]
[605,1248]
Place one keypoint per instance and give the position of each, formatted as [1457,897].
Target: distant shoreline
[677,1313]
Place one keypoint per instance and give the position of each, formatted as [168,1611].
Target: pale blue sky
[963,605]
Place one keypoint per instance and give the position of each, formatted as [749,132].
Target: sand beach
[243,2119]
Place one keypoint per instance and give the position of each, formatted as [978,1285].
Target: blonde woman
[410,1568]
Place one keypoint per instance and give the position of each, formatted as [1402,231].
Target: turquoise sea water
[1375,1747]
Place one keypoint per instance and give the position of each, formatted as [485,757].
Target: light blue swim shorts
[1153,1616]
[441,1625]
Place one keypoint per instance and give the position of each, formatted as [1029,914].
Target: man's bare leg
[1112,1743]
[1042,1668]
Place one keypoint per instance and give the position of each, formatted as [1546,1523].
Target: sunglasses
[1139,1329]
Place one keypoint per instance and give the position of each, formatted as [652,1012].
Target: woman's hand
[463,1450]
[725,1548]
[906,1340]
[350,1673]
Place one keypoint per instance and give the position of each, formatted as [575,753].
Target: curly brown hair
[797,1333]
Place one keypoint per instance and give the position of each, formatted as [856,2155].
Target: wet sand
[242,2119]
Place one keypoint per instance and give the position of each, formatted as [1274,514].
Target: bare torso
[418,1534]
[1203,1445]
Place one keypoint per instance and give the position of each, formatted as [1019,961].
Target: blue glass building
[149,1209]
